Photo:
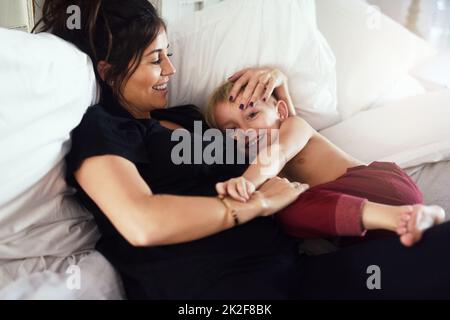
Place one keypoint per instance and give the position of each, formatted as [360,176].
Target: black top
[181,271]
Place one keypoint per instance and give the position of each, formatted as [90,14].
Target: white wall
[15,14]
[171,10]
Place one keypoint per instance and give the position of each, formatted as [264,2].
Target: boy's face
[263,115]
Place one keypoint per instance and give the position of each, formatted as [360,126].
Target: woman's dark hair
[116,31]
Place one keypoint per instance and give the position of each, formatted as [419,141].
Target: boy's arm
[294,134]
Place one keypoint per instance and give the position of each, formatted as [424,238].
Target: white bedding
[52,278]
[210,46]
[46,85]
[410,132]
[372,51]
[433,179]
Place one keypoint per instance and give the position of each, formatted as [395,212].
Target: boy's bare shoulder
[295,122]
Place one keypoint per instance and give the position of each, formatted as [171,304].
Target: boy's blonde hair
[219,95]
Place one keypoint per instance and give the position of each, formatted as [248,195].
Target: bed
[372,108]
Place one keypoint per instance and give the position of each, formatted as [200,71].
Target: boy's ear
[102,68]
[282,109]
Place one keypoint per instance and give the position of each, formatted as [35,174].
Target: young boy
[346,197]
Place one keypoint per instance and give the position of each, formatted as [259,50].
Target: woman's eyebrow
[156,50]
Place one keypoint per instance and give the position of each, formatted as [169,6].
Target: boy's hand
[239,189]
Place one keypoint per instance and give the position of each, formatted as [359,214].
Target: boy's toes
[401,231]
[413,224]
[407,240]
[405,218]
[402,224]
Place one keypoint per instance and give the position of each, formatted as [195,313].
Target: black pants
[420,272]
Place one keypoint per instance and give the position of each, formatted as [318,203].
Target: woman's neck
[135,112]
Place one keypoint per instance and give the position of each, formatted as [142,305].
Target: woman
[162,228]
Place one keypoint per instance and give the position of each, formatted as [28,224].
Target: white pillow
[404,87]
[410,132]
[46,85]
[212,44]
[372,51]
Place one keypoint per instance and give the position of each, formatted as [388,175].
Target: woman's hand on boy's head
[259,84]
[239,189]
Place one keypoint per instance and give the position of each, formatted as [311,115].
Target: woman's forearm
[145,219]
[175,219]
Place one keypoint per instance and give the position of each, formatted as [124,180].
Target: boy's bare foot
[415,220]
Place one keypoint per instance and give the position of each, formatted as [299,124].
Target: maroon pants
[335,208]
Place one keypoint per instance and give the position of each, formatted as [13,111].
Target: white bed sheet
[53,278]
[411,131]
[433,179]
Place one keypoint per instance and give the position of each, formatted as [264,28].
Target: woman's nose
[167,68]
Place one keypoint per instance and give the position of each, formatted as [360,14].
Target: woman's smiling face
[147,87]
